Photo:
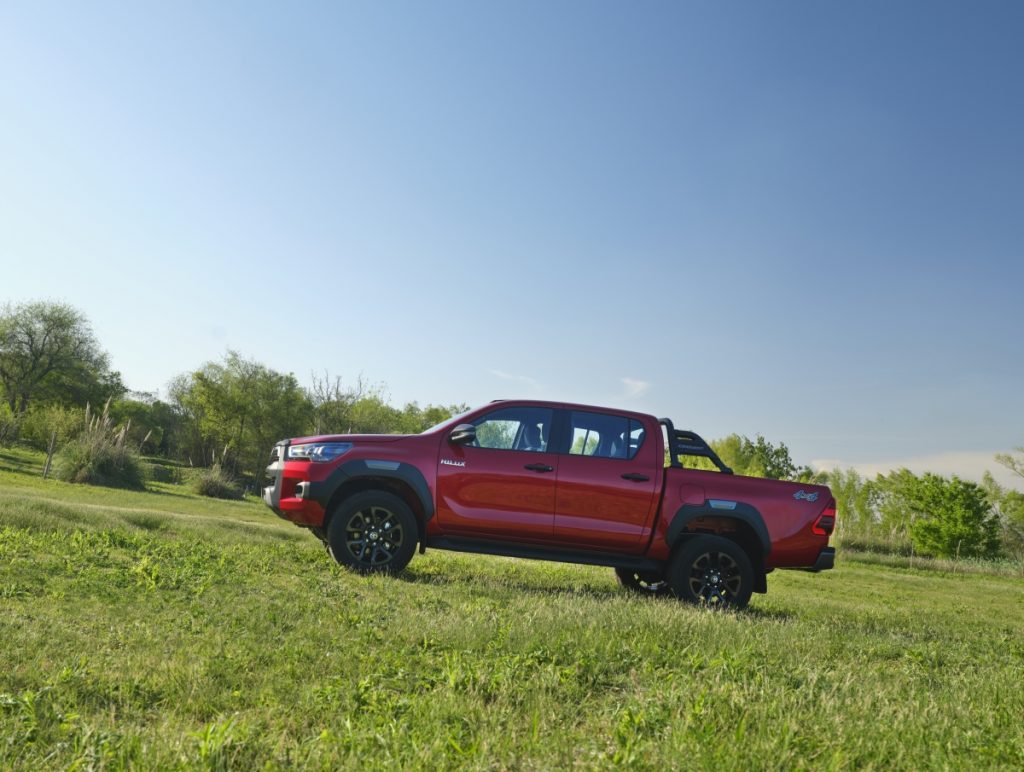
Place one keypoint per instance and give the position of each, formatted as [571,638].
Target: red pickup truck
[554,481]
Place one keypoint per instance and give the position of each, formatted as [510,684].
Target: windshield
[447,422]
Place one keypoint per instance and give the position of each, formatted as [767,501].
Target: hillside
[158,629]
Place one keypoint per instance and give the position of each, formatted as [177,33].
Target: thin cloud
[968,465]
[523,379]
[635,387]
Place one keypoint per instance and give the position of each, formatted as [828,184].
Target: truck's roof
[575,406]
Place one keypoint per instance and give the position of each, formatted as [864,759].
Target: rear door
[607,478]
[502,485]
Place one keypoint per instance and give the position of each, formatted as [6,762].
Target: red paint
[583,503]
[596,508]
[494,494]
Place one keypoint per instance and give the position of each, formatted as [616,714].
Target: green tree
[891,499]
[364,409]
[1009,506]
[1013,461]
[756,458]
[372,415]
[153,423]
[49,349]
[238,408]
[416,419]
[951,517]
[737,452]
[333,404]
[854,495]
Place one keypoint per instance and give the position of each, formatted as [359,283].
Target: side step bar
[531,552]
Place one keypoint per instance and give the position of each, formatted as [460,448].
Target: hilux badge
[449,462]
[806,496]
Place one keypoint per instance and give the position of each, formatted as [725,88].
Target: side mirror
[463,434]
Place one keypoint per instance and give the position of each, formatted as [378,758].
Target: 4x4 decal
[450,462]
[806,496]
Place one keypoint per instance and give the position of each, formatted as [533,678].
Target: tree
[363,409]
[757,458]
[1013,461]
[49,348]
[1009,506]
[416,419]
[951,517]
[891,498]
[237,409]
[153,423]
[332,403]
[853,495]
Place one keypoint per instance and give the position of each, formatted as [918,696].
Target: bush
[162,472]
[9,425]
[216,483]
[39,423]
[99,455]
[953,518]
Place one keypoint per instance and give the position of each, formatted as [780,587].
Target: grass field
[159,629]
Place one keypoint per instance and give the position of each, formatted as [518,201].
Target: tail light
[826,521]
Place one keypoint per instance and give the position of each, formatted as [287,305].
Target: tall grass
[100,455]
[216,483]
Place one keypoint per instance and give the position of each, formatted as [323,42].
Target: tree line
[899,512]
[229,413]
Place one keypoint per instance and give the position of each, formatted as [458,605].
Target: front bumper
[271,497]
[289,489]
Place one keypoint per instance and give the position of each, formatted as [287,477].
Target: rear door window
[604,436]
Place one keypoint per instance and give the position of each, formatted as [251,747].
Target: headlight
[319,451]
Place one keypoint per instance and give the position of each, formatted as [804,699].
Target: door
[503,484]
[606,483]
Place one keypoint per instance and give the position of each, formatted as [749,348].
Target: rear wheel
[372,532]
[642,582]
[712,571]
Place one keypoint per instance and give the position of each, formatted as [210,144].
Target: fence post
[49,454]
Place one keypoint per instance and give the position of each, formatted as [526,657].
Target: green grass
[163,629]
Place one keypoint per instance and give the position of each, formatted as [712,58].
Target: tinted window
[604,436]
[514,428]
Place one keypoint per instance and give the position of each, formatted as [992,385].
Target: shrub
[159,471]
[99,455]
[953,518]
[216,483]
[39,423]
[9,425]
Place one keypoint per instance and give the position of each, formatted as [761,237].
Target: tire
[643,582]
[712,571]
[372,532]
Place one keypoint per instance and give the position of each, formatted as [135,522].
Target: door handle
[635,477]
[539,468]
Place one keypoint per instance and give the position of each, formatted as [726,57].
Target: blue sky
[798,219]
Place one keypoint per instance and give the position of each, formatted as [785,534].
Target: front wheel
[712,571]
[642,582]
[372,532]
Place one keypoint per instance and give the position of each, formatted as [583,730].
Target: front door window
[515,428]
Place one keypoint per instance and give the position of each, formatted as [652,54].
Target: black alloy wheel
[373,532]
[643,582]
[712,571]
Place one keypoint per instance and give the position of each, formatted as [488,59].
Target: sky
[797,219]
